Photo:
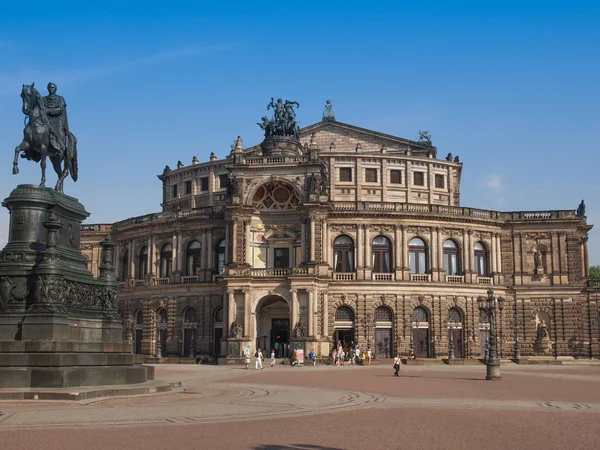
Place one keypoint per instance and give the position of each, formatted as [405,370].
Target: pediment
[341,137]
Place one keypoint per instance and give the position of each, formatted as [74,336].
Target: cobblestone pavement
[326,407]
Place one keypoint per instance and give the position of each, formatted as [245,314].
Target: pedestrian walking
[397,362]
[272,357]
[247,357]
[311,356]
[369,356]
[258,356]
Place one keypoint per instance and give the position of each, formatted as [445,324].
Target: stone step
[86,393]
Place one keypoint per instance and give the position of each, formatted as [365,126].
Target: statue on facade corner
[47,134]
[581,209]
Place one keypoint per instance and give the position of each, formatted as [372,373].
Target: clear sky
[511,87]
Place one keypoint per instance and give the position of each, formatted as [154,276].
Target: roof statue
[581,209]
[328,114]
[47,134]
[283,122]
[424,136]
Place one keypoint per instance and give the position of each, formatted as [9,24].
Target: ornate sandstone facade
[345,234]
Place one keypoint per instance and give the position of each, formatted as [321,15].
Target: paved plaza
[324,407]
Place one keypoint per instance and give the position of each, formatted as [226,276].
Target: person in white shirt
[247,357]
[369,356]
[259,357]
[272,357]
[397,362]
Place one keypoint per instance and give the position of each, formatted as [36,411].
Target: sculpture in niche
[542,331]
[301,329]
[236,330]
[538,262]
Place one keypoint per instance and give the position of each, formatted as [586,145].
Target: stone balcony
[309,271]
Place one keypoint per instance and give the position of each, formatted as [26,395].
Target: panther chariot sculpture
[47,135]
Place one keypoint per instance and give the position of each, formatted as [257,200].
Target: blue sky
[511,87]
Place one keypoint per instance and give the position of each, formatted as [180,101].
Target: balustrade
[455,279]
[382,276]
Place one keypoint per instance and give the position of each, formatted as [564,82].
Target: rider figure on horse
[56,109]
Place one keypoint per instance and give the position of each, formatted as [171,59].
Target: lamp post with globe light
[488,306]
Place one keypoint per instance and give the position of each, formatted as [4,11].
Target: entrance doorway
[383,343]
[280,339]
[420,332]
[345,335]
[273,326]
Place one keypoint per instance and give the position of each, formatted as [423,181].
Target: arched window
[454,316]
[383,314]
[143,263]
[451,257]
[192,259]
[125,266]
[166,260]
[481,259]
[189,316]
[221,256]
[382,255]
[344,314]
[219,315]
[420,314]
[343,254]
[417,255]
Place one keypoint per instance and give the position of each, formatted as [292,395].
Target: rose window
[275,195]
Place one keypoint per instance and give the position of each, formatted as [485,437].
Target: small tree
[595,274]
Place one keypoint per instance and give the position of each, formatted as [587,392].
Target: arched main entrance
[273,326]
[455,332]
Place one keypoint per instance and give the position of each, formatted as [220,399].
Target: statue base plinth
[59,326]
[281,146]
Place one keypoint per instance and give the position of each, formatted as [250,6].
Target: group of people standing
[351,354]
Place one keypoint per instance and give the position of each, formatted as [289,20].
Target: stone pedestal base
[492,372]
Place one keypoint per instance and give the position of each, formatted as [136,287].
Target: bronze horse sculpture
[37,143]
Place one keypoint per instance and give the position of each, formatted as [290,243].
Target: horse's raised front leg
[18,150]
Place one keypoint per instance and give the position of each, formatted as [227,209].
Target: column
[150,252]
[397,247]
[311,313]
[227,241]
[433,251]
[231,308]
[367,242]
[466,252]
[312,238]
[498,254]
[324,243]
[226,322]
[117,260]
[493,255]
[234,242]
[174,254]
[325,315]
[440,252]
[131,260]
[247,249]
[359,246]
[203,254]
[153,257]
[294,311]
[405,258]
[247,316]
[210,247]
[179,252]
[303,243]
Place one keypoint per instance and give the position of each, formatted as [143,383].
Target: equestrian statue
[47,134]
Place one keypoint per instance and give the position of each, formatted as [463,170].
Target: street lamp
[598,313]
[451,343]
[487,305]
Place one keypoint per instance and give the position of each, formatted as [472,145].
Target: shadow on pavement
[435,378]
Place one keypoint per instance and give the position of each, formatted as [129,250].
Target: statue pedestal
[59,326]
[543,347]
